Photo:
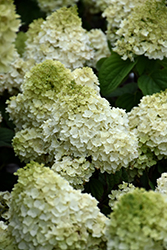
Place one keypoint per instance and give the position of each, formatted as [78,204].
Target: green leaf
[153,83]
[96,188]
[112,72]
[146,66]
[6,136]
[163,62]
[127,88]
[128,101]
[100,62]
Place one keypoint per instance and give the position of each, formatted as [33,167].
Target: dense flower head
[138,221]
[60,37]
[150,121]
[29,144]
[83,123]
[39,91]
[116,194]
[49,6]
[62,113]
[144,31]
[162,184]
[47,213]
[9,26]
[115,12]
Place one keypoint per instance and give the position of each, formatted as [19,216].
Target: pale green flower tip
[65,17]
[135,221]
[47,76]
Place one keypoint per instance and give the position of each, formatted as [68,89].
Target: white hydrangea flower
[143,32]
[76,171]
[13,79]
[84,124]
[138,221]
[50,6]
[98,41]
[47,213]
[116,194]
[115,12]
[62,113]
[60,37]
[150,121]
[29,144]
[9,26]
[162,184]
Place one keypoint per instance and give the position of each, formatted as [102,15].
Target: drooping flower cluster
[50,6]
[150,121]
[47,213]
[144,31]
[61,37]
[138,221]
[116,194]
[9,26]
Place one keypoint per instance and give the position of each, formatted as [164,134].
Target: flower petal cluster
[6,243]
[83,123]
[12,80]
[60,37]
[50,6]
[9,26]
[150,121]
[4,204]
[144,31]
[47,213]
[116,194]
[115,12]
[98,41]
[162,184]
[76,171]
[138,221]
